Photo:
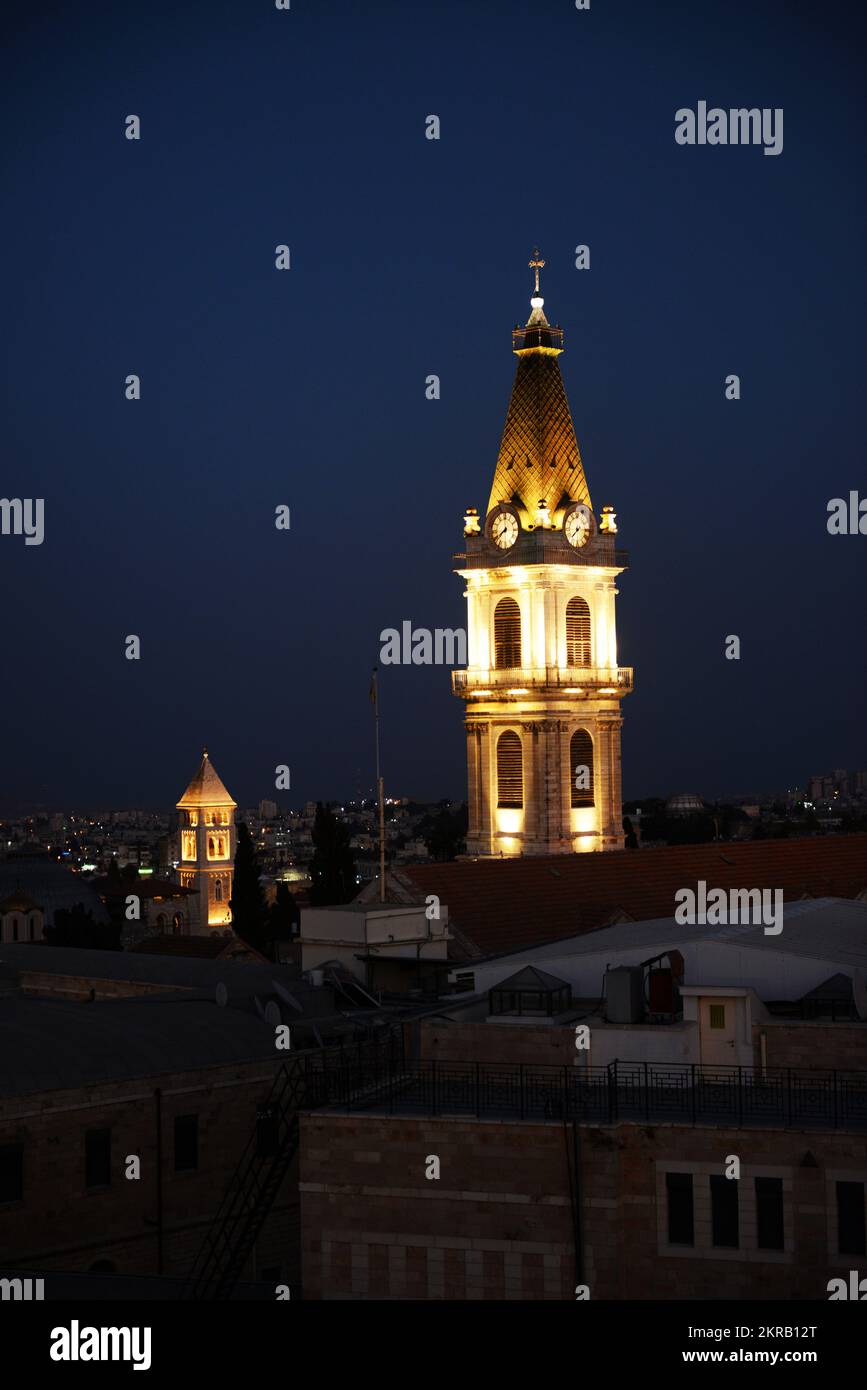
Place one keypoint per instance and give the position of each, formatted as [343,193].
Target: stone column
[486,807]
[611,813]
[473,789]
[567,774]
[530,748]
[550,729]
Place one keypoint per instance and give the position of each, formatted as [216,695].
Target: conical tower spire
[206,788]
[539,456]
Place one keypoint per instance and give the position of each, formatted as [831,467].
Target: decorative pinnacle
[536,263]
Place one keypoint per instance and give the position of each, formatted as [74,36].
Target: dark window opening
[724,1211]
[97,1158]
[681,1225]
[11,1172]
[769,1214]
[850,1218]
[186,1143]
[267,1131]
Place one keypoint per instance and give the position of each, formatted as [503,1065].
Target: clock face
[504,531]
[577,527]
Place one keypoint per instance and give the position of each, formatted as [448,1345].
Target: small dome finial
[204,752]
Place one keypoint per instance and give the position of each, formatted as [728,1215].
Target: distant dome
[684,804]
[18,902]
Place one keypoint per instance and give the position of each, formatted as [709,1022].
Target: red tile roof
[500,905]
[213,947]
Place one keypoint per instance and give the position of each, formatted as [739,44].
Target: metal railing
[518,677]
[691,1094]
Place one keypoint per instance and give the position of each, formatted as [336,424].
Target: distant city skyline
[287,803]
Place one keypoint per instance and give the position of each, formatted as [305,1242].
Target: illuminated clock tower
[206,816]
[542,687]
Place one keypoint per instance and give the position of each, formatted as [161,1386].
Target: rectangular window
[718,1020]
[850,1218]
[769,1214]
[186,1143]
[681,1227]
[724,1211]
[97,1160]
[267,1131]
[11,1172]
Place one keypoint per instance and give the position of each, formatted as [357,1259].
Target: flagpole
[374,690]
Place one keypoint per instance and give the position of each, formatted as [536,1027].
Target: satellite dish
[859,993]
[272,1014]
[285,995]
[221,994]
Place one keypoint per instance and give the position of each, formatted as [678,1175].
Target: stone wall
[499,1221]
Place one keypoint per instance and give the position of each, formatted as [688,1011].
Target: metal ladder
[250,1194]
[306,1081]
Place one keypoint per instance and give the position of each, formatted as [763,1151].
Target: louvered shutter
[510,771]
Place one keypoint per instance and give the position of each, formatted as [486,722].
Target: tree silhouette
[332,868]
[284,917]
[249,918]
[76,926]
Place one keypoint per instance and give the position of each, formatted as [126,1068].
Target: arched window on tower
[510,770]
[218,890]
[507,634]
[577,633]
[581,770]
[210,846]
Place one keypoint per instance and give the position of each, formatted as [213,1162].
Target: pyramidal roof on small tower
[539,456]
[206,789]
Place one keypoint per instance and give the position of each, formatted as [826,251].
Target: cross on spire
[536,263]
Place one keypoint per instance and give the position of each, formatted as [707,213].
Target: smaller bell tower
[206,816]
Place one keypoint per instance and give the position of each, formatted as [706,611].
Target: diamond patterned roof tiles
[539,455]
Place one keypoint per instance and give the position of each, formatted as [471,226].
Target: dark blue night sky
[409,257]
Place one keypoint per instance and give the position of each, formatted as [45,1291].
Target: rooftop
[497,906]
[822,929]
[49,1044]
